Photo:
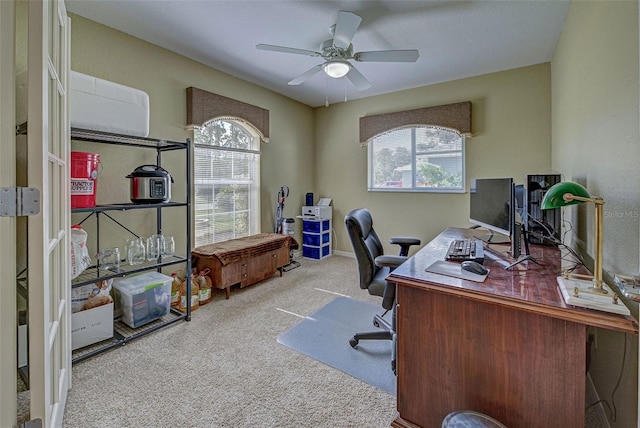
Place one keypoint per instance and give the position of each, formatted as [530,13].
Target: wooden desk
[508,347]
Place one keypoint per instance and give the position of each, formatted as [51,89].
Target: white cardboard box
[91,326]
[96,104]
[102,105]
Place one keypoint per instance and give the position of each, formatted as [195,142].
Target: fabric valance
[203,106]
[453,116]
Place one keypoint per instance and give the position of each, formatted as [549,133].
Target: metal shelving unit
[122,332]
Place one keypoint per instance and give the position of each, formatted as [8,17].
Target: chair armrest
[391,262]
[405,242]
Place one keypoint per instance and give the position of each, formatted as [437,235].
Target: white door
[8,334]
[48,241]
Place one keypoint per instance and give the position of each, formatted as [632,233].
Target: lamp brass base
[578,292]
[598,290]
[596,286]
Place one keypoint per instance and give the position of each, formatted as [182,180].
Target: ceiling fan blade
[360,82]
[409,55]
[346,27]
[307,74]
[285,49]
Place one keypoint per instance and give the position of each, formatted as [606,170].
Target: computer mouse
[474,267]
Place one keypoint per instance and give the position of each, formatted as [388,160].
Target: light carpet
[225,368]
[324,336]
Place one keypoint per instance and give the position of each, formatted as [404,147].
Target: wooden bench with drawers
[243,261]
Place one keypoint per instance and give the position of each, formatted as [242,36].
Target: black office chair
[374,267]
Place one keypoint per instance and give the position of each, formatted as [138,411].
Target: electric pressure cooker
[150,184]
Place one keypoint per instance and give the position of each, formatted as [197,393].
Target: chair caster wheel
[353,342]
[376,324]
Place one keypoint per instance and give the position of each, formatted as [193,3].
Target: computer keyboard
[466,249]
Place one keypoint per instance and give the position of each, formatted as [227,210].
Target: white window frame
[253,209]
[406,176]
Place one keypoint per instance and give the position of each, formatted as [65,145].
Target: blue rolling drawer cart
[316,238]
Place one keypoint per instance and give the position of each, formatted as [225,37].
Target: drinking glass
[169,247]
[155,244]
[136,253]
[109,258]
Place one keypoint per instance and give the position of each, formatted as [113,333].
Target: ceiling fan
[338,50]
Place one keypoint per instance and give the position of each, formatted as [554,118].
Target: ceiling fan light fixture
[336,69]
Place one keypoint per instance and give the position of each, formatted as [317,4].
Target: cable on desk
[613,411]
[614,414]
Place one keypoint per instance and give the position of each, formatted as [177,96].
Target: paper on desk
[453,269]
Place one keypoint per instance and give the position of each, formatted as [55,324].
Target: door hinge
[19,201]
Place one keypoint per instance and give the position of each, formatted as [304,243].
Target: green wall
[511,123]
[595,141]
[318,150]
[102,52]
[112,55]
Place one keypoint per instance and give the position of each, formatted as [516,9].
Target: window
[226,181]
[417,158]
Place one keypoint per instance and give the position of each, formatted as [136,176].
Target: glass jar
[155,245]
[109,259]
[136,252]
[169,246]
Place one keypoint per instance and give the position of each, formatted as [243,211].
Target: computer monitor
[520,198]
[492,204]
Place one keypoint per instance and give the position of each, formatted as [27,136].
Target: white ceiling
[456,39]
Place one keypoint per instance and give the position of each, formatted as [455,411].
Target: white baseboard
[298,254]
[344,254]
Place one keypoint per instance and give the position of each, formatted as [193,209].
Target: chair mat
[324,336]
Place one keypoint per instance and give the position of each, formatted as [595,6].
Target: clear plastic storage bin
[143,298]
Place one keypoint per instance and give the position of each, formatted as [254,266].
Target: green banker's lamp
[568,193]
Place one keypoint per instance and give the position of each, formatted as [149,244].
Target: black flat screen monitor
[492,204]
